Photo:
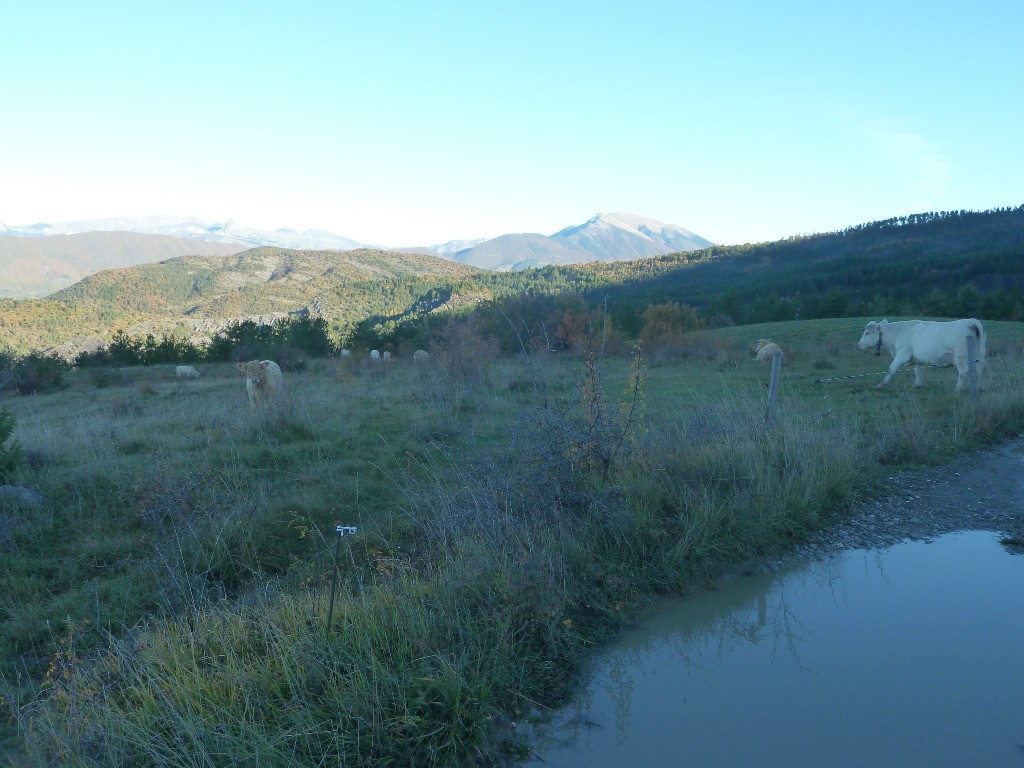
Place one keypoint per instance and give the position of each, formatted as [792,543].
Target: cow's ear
[241,367]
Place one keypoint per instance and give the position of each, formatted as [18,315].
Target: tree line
[289,341]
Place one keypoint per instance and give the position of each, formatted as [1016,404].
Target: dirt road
[978,491]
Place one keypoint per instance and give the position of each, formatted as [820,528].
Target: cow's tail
[979,337]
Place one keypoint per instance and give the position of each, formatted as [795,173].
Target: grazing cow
[926,342]
[186,372]
[420,356]
[346,353]
[766,350]
[263,381]
[386,357]
[375,355]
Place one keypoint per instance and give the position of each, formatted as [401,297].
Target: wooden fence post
[972,369]
[342,530]
[773,386]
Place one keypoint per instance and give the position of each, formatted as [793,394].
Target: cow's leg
[961,372]
[917,375]
[898,361]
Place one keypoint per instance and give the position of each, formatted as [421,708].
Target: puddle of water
[912,655]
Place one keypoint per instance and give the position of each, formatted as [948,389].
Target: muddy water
[907,656]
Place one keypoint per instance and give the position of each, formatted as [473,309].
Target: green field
[168,604]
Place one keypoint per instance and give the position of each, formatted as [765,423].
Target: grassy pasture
[167,605]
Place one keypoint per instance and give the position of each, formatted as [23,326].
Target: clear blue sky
[411,123]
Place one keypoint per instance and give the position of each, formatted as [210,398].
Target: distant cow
[186,372]
[420,356]
[375,355]
[766,350]
[263,381]
[346,353]
[926,342]
[386,356]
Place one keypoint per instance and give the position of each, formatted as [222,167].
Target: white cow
[346,353]
[263,381]
[375,355]
[386,357]
[186,372]
[926,342]
[420,356]
[766,350]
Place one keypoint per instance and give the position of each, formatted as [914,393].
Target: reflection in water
[912,655]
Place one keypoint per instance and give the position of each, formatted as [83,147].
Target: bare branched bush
[698,346]
[125,406]
[464,352]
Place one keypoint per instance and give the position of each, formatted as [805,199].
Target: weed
[8,525]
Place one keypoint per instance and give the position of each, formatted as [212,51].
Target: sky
[408,122]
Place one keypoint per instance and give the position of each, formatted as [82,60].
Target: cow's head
[872,336]
[253,370]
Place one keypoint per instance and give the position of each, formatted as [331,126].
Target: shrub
[11,456]
[7,361]
[667,322]
[668,330]
[464,352]
[40,372]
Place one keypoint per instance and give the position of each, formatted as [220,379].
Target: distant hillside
[195,295]
[38,266]
[606,237]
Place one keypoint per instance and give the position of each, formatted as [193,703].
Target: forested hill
[953,263]
[899,257]
[201,293]
[258,281]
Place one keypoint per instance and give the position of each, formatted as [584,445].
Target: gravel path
[980,491]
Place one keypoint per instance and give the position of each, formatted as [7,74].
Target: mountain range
[605,237]
[40,259]
[192,229]
[955,264]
